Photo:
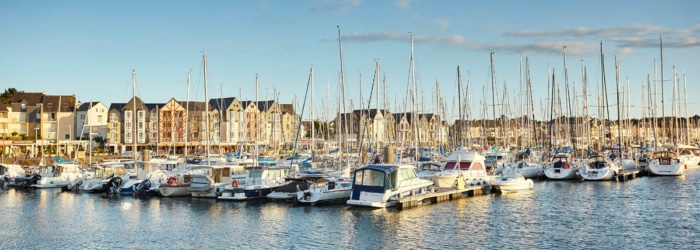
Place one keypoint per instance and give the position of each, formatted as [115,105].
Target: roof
[86,106]
[31,98]
[151,106]
[263,106]
[221,103]
[287,108]
[3,108]
[116,106]
[51,103]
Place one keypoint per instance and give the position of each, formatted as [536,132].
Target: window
[49,105]
[99,118]
[65,105]
[24,107]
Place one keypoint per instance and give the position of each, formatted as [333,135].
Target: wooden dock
[441,195]
[628,175]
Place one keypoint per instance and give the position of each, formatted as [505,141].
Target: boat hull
[667,170]
[174,190]
[561,173]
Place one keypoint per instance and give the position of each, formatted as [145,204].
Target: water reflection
[659,212]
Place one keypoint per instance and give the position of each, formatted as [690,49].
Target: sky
[89,48]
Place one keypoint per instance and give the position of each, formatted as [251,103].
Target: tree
[100,141]
[6,96]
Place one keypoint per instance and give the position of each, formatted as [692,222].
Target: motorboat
[325,191]
[688,155]
[59,175]
[209,181]
[382,185]
[289,191]
[177,185]
[258,184]
[524,166]
[106,178]
[496,160]
[11,173]
[462,164]
[512,182]
[666,163]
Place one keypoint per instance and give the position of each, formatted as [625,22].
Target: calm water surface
[643,213]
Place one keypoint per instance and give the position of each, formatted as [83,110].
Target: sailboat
[664,161]
[209,180]
[599,166]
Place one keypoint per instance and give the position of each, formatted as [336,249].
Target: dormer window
[49,105]
[65,105]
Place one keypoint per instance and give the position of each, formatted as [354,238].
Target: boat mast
[687,121]
[493,100]
[133,90]
[459,101]
[653,110]
[619,109]
[206,107]
[187,114]
[313,125]
[663,109]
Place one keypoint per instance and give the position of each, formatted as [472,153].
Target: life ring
[173,180]
[566,165]
[234,183]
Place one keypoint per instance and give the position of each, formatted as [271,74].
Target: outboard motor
[31,181]
[4,181]
[74,185]
[113,185]
[142,187]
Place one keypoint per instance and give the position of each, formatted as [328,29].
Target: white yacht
[59,175]
[665,163]
[463,164]
[209,181]
[688,155]
[381,185]
[258,184]
[524,166]
[563,168]
[599,168]
[512,182]
[325,191]
[10,173]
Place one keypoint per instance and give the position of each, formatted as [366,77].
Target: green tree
[6,96]
[100,141]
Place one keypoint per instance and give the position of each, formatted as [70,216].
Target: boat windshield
[370,177]
[464,165]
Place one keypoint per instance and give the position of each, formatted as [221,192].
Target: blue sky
[89,48]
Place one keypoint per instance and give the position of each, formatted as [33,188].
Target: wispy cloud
[625,37]
[579,41]
[402,3]
[444,23]
[336,6]
[573,48]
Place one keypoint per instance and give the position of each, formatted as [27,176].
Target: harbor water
[642,213]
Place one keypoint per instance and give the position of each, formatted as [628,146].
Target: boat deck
[441,195]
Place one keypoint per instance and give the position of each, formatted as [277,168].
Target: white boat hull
[669,169]
[170,191]
[512,184]
[561,173]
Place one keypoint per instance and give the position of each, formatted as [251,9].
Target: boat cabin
[561,161]
[665,157]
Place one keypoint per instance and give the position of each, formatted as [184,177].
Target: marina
[630,213]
